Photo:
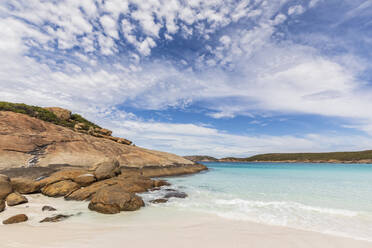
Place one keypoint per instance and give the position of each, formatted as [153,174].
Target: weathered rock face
[5,187]
[16,219]
[2,205]
[64,174]
[14,199]
[25,140]
[25,185]
[85,179]
[107,169]
[112,200]
[60,188]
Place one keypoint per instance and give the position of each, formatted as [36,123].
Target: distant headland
[362,157]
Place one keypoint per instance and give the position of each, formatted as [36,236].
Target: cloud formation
[232,58]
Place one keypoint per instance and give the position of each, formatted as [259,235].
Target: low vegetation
[46,115]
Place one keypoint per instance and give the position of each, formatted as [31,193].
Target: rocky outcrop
[24,139]
[60,188]
[113,199]
[16,219]
[132,185]
[25,185]
[14,199]
[5,187]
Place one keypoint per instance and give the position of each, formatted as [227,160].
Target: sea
[333,199]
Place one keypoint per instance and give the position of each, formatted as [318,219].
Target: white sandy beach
[151,227]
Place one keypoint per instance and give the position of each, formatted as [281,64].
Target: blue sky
[222,78]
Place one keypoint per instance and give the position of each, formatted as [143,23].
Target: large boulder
[2,205]
[25,185]
[131,186]
[107,169]
[16,219]
[14,199]
[60,188]
[63,114]
[112,200]
[5,187]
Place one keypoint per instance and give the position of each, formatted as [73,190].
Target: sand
[152,227]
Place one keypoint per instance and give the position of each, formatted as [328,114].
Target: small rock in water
[56,218]
[176,195]
[16,219]
[161,200]
[171,190]
[48,208]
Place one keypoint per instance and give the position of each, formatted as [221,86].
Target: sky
[212,77]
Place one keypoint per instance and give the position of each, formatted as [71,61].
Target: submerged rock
[25,185]
[56,218]
[5,187]
[16,219]
[14,199]
[159,183]
[112,200]
[161,200]
[48,208]
[176,195]
[61,188]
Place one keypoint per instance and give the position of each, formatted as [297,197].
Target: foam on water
[332,199]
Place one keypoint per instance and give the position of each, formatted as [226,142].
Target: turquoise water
[328,198]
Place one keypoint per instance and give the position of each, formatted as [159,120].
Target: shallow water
[328,198]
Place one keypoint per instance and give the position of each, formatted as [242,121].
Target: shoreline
[291,162]
[160,226]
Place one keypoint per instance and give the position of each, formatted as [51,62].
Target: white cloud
[109,25]
[296,10]
[251,72]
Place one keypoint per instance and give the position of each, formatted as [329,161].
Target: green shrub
[45,115]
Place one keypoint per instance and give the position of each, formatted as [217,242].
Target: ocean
[328,198]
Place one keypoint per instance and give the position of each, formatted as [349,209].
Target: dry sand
[152,227]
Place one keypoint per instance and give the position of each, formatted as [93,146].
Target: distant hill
[326,157]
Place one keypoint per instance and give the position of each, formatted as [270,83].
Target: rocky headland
[52,152]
